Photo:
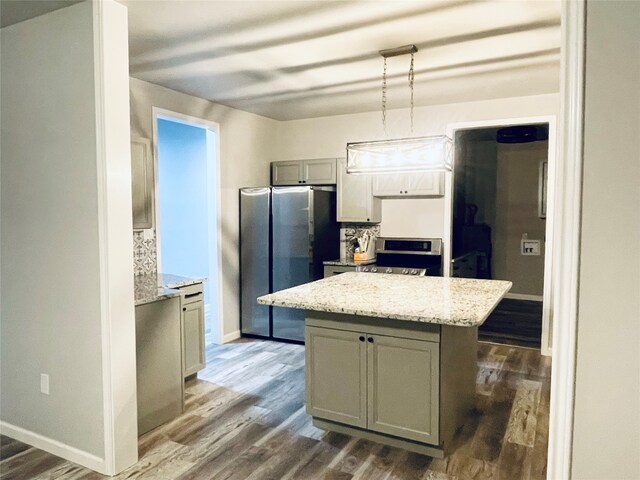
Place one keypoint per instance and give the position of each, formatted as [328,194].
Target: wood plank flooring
[245,419]
[514,322]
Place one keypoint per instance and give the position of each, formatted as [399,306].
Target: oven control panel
[412,246]
[419,272]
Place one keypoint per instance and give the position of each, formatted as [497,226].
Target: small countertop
[151,288]
[448,301]
[169,280]
[348,263]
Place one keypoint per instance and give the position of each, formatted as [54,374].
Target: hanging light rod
[394,52]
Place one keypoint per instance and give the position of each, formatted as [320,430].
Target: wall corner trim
[53,446]
[230,337]
[568,189]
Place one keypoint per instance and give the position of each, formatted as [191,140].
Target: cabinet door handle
[370,339]
[361,338]
[190,295]
[184,309]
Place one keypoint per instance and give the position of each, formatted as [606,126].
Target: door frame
[159,113]
[550,272]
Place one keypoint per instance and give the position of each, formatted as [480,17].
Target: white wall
[607,398]
[67,288]
[328,137]
[247,146]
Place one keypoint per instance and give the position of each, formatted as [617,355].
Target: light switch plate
[530,247]
[44,383]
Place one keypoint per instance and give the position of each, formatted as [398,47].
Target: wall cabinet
[384,384]
[429,184]
[355,202]
[193,344]
[142,178]
[310,172]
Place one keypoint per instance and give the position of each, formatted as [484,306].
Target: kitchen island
[392,358]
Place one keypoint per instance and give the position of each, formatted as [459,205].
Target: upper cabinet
[142,183]
[429,184]
[310,172]
[355,202]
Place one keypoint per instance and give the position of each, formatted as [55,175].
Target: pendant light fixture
[418,154]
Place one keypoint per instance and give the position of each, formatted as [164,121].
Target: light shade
[421,154]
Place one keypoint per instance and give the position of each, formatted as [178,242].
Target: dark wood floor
[245,419]
[514,322]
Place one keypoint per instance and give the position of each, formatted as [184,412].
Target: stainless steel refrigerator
[285,235]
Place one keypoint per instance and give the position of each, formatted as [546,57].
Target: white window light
[418,154]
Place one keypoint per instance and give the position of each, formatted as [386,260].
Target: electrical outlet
[44,383]
[529,247]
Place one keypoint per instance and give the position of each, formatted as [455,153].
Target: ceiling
[14,11]
[301,59]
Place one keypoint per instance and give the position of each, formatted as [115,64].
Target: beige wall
[516,213]
[67,267]
[247,146]
[328,137]
[606,441]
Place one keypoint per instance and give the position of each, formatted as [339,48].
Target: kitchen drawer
[192,293]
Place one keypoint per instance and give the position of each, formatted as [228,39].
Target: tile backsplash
[145,260]
[348,234]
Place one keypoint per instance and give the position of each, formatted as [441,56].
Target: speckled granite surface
[348,263]
[152,287]
[146,290]
[169,280]
[449,301]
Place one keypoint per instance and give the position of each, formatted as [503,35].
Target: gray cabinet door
[319,172]
[336,363]
[355,200]
[286,173]
[193,355]
[142,183]
[403,388]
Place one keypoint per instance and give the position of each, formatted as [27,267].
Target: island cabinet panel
[336,375]
[403,388]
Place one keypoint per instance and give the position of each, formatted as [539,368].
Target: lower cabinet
[336,375]
[381,383]
[331,270]
[193,345]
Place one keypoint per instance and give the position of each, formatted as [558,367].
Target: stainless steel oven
[407,256]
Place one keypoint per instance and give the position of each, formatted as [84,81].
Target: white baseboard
[230,337]
[522,296]
[55,447]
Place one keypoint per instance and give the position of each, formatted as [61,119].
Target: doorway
[500,222]
[187,192]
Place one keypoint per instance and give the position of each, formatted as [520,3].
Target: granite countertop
[150,288]
[169,280]
[348,263]
[448,301]
[146,290]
